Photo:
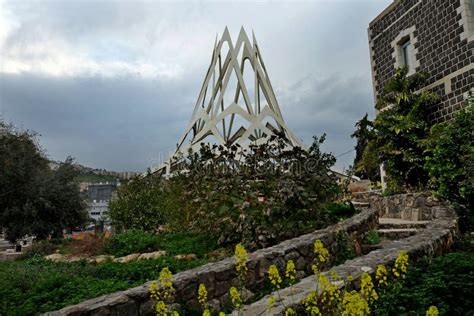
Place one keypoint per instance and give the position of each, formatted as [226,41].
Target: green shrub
[344,248]
[399,130]
[372,238]
[450,163]
[140,204]
[339,211]
[131,241]
[135,241]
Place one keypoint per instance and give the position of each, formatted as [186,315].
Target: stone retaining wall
[220,276]
[436,239]
[410,206]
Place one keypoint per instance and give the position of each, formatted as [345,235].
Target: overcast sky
[114,83]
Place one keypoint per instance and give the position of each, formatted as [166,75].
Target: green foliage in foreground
[446,282]
[36,285]
[398,132]
[135,240]
[257,196]
[450,163]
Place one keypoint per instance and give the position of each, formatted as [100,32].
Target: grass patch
[36,285]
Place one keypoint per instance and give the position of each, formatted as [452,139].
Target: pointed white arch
[219,102]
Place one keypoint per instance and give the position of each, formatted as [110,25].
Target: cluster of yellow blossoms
[235,297]
[274,276]
[354,304]
[241,258]
[381,275]
[161,291]
[367,288]
[401,265]
[290,272]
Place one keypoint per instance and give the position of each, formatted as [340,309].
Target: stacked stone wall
[444,51]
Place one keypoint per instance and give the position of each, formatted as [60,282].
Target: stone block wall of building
[442,34]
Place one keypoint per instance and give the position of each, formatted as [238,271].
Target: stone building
[432,36]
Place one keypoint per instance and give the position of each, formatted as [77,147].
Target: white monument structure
[236,104]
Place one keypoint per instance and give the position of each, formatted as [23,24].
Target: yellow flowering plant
[202,296]
[381,275]
[401,265]
[367,288]
[432,311]
[354,304]
[162,291]
[290,272]
[241,259]
[274,277]
[235,297]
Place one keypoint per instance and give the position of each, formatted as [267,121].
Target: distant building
[99,196]
[433,36]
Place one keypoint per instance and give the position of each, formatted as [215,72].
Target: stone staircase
[393,228]
[396,228]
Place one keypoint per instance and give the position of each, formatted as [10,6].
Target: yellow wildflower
[401,264]
[221,314]
[241,258]
[290,272]
[432,311]
[381,274]
[161,309]
[154,291]
[235,296]
[320,251]
[271,302]
[166,283]
[274,276]
[367,287]
[206,312]
[354,304]
[202,294]
[290,311]
[175,313]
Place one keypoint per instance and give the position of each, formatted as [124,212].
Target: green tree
[139,204]
[450,163]
[367,167]
[34,199]
[399,130]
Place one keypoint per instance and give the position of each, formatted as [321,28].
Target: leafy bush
[450,163]
[446,282]
[131,241]
[344,248]
[256,196]
[135,241]
[400,128]
[339,211]
[372,238]
[139,205]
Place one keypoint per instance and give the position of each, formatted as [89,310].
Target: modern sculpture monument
[236,104]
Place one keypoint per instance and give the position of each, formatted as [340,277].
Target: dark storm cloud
[118,123]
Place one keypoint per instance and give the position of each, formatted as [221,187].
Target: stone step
[360,204]
[388,223]
[397,233]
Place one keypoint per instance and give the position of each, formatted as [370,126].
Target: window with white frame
[404,51]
